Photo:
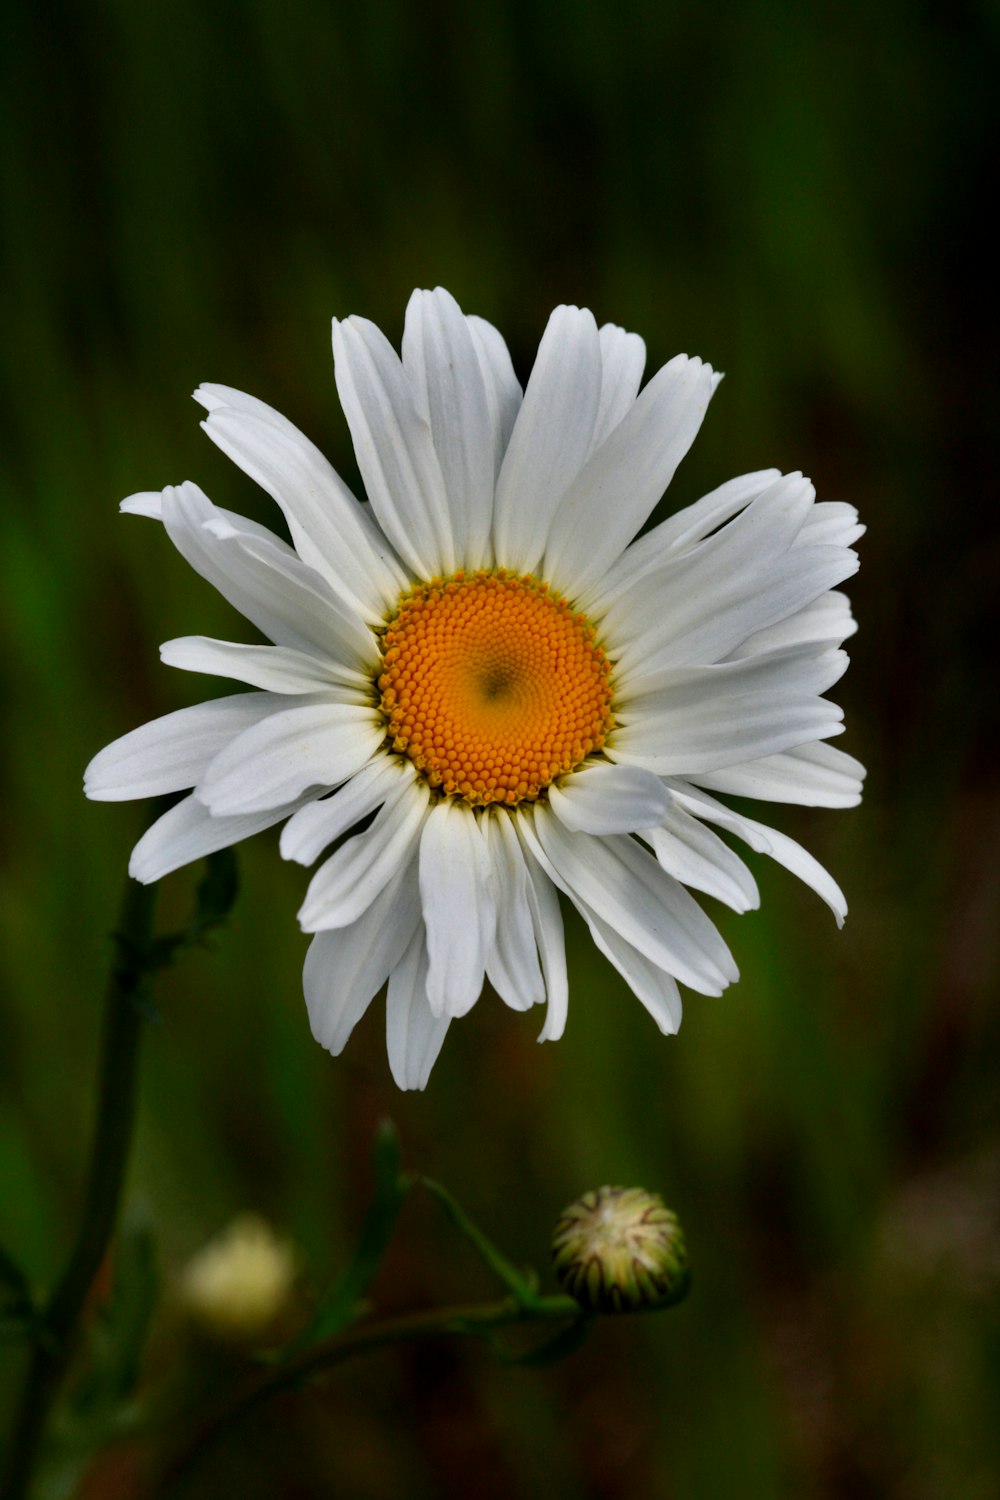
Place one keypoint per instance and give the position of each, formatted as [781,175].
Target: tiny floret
[493,687]
[621,1250]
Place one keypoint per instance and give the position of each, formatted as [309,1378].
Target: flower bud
[620,1250]
[237,1287]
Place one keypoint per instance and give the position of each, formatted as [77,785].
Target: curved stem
[479,1318]
[57,1323]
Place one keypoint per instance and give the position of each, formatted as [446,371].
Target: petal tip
[208,396]
[147,503]
[142,872]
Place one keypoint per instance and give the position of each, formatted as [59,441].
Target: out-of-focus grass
[189,193]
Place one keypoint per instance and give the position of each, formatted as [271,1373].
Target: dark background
[798,194]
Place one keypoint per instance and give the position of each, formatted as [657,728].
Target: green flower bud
[621,1250]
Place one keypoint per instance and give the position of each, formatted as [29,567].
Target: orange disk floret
[492,686]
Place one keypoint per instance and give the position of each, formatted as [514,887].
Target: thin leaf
[216,894]
[18,1314]
[13,1282]
[119,1334]
[562,1344]
[133,1302]
[343,1302]
[523,1284]
[214,899]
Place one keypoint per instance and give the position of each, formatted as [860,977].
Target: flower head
[481,662]
[621,1250]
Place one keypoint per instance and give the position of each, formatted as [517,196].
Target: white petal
[743,729]
[623,359]
[386,778]
[693,627]
[834,524]
[709,717]
[188,832]
[348,882]
[827,621]
[813,775]
[666,601]
[767,841]
[345,969]
[277,669]
[543,902]
[314,744]
[503,389]
[624,886]
[325,623]
[459,907]
[683,530]
[414,1034]
[512,967]
[394,449]
[604,798]
[676,534]
[697,857]
[331,531]
[145,503]
[264,579]
[173,753]
[443,367]
[551,437]
[656,989]
[801,669]
[612,496]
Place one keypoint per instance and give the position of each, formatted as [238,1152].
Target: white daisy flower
[484,670]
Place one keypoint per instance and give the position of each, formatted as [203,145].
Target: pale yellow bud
[620,1250]
[240,1284]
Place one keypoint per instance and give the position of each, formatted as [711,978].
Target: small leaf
[563,1343]
[133,1302]
[103,1405]
[216,894]
[342,1303]
[17,1305]
[214,899]
[12,1278]
[523,1284]
[119,1335]
[386,1157]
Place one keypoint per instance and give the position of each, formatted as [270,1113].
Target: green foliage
[17,1306]
[343,1304]
[215,897]
[121,1329]
[523,1285]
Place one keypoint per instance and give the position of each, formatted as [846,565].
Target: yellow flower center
[492,686]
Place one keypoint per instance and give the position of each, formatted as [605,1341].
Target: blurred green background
[796,194]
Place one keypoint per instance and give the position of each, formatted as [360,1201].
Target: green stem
[476,1319]
[57,1323]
